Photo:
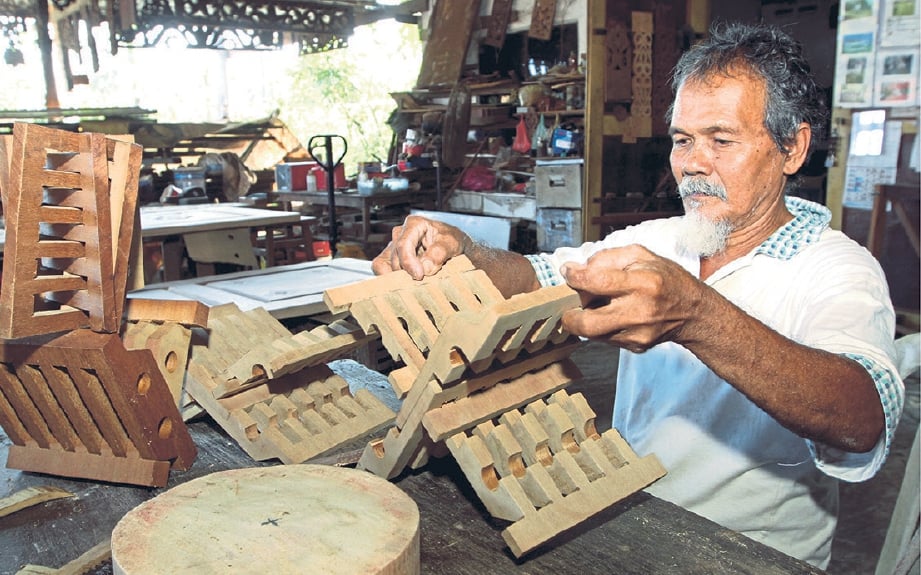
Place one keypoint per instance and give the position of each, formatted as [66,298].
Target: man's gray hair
[771,54]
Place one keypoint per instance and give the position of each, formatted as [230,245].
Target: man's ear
[797,149]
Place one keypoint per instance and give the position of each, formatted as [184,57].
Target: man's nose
[696,160]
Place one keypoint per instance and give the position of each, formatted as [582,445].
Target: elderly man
[757,342]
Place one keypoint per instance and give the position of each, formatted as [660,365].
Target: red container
[292,176]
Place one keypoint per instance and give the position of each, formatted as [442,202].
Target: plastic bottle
[311,181]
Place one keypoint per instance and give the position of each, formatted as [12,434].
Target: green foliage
[347,92]
[343,92]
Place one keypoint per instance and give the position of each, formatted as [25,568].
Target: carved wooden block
[618,62]
[542,15]
[458,336]
[81,405]
[170,344]
[62,268]
[271,390]
[641,108]
[497,25]
[546,468]
[484,378]
[409,314]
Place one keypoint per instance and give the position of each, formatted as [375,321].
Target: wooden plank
[453,417]
[542,15]
[92,557]
[115,469]
[497,25]
[124,171]
[30,496]
[449,36]
[185,312]
[286,291]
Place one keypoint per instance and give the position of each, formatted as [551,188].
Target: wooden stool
[283,519]
[286,243]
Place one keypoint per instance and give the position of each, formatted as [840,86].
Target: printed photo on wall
[897,78]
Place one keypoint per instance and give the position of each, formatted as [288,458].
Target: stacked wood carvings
[484,378]
[271,390]
[73,399]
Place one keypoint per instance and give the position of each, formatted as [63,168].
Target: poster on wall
[897,78]
[857,27]
[872,157]
[901,23]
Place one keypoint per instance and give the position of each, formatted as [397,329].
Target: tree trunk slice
[285,519]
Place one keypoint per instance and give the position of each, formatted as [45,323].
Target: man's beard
[701,236]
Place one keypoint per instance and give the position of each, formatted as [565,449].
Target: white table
[211,233]
[284,291]
[161,221]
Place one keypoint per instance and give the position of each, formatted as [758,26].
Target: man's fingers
[406,241]
[382,264]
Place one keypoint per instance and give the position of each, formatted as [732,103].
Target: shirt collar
[809,221]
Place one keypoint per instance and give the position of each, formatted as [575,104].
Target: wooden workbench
[641,535]
[348,199]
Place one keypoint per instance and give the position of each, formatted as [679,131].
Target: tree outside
[344,92]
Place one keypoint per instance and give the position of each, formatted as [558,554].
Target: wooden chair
[900,197]
[284,244]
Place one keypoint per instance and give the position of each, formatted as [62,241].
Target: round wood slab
[283,519]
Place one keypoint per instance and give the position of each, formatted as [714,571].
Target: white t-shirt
[726,458]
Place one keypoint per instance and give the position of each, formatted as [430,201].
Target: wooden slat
[31,207]
[25,410]
[55,417]
[446,48]
[65,390]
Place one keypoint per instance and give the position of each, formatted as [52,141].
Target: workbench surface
[642,534]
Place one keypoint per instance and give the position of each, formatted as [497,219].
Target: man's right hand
[420,247]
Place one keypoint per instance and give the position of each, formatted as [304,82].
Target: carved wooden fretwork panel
[618,61]
[641,110]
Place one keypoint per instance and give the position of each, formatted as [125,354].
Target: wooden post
[44,43]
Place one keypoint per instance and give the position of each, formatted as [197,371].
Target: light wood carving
[542,15]
[484,377]
[271,390]
[641,108]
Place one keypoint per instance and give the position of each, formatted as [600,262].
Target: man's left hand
[631,298]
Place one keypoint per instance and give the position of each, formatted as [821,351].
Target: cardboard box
[559,183]
[292,176]
[558,228]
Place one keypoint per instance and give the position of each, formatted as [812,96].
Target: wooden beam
[44,44]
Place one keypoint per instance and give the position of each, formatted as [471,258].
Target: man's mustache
[696,186]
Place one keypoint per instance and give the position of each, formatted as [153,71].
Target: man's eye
[720,142]
[679,142]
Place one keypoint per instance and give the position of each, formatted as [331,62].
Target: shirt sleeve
[856,467]
[851,316]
